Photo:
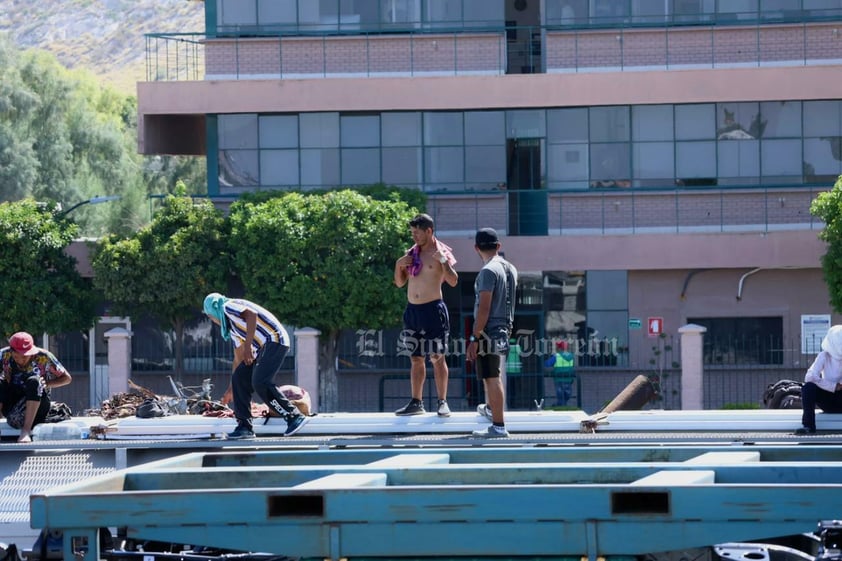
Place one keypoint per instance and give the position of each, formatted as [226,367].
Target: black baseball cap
[486,238]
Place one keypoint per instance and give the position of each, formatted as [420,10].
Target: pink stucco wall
[650,251]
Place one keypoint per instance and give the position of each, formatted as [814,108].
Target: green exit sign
[635,323]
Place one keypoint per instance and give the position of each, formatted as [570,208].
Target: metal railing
[629,211]
[264,53]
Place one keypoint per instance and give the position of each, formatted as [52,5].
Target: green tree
[165,269]
[43,291]
[324,261]
[64,137]
[18,161]
[828,207]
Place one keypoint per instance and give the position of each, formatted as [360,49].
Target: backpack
[149,409]
[58,412]
[783,394]
[9,553]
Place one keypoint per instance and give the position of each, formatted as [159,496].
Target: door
[527,198]
[524,366]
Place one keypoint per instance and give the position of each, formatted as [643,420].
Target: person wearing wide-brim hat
[28,374]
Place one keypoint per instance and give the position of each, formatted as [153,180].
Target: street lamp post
[92,201]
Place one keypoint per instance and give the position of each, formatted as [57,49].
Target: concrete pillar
[692,371]
[307,363]
[119,342]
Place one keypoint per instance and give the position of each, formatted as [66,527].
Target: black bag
[149,409]
[58,412]
[11,553]
[783,394]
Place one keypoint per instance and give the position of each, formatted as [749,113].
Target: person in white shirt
[823,382]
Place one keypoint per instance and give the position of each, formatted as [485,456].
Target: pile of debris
[185,402]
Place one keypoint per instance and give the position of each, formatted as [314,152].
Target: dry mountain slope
[103,36]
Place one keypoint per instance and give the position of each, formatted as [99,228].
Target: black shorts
[426,329]
[487,365]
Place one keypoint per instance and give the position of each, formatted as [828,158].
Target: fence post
[692,371]
[307,363]
[119,364]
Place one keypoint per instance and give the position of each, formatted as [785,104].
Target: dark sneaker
[443,410]
[414,407]
[485,411]
[240,433]
[805,430]
[491,432]
[294,425]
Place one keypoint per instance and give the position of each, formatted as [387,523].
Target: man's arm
[56,375]
[451,277]
[251,325]
[401,273]
[62,380]
[483,310]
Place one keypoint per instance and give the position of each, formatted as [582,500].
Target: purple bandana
[417,265]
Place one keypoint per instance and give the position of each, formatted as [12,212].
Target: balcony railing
[627,211]
[490,50]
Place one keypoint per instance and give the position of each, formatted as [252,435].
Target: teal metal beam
[394,504]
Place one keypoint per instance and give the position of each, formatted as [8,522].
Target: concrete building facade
[640,158]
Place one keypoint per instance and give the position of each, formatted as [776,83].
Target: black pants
[812,396]
[259,377]
[14,400]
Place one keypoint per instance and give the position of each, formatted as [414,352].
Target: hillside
[103,36]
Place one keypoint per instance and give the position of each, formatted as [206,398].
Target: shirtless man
[426,322]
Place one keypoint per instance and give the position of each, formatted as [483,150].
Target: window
[443,129]
[444,13]
[278,131]
[401,129]
[402,166]
[735,341]
[401,14]
[567,12]
[609,124]
[319,130]
[695,122]
[568,162]
[485,149]
[610,165]
[781,161]
[276,14]
[605,331]
[822,141]
[235,13]
[482,13]
[237,131]
[781,119]
[360,166]
[279,168]
[238,159]
[360,131]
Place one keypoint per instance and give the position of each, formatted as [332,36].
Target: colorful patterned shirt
[43,364]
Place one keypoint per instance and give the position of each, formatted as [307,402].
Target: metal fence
[737,370]
[373,376]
